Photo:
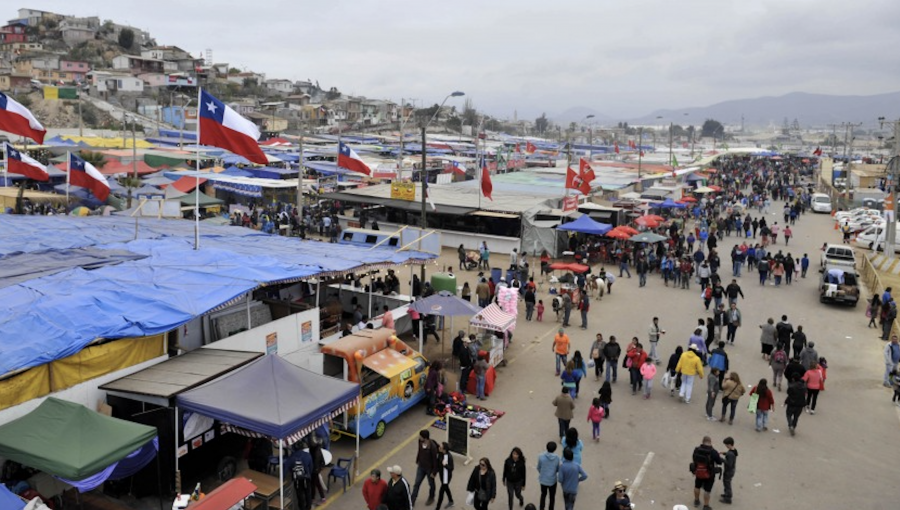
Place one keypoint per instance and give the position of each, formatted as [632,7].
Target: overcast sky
[621,58]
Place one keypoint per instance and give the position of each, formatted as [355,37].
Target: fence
[869,275]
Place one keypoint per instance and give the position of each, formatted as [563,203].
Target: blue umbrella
[669,204]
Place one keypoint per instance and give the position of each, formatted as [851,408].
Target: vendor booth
[77,446]
[272,398]
[491,319]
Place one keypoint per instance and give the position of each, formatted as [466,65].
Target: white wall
[453,238]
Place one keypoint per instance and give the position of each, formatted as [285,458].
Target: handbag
[754,399]
[470,498]
[482,495]
[666,380]
[595,353]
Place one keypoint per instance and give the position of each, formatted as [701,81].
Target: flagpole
[480,162]
[5,164]
[197,182]
[68,178]
[300,175]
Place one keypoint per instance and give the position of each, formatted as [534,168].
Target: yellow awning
[388,362]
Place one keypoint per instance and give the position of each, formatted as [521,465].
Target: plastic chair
[341,470]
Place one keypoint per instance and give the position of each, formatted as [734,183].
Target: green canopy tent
[205,200]
[69,440]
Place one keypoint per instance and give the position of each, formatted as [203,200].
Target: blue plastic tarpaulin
[585,225]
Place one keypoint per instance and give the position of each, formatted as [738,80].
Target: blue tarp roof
[9,501]
[586,225]
[51,317]
[273,173]
[270,396]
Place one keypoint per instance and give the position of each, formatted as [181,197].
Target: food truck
[390,373]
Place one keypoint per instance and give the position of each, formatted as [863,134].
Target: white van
[821,203]
[874,238]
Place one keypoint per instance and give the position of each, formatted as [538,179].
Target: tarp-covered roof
[270,396]
[54,316]
[586,225]
[69,440]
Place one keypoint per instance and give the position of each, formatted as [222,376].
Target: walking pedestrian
[530,300]
[809,355]
[611,353]
[732,389]
[794,402]
[733,322]
[648,372]
[778,362]
[597,355]
[480,369]
[815,380]
[567,308]
[765,403]
[618,498]
[872,310]
[712,392]
[767,338]
[483,483]
[514,476]
[445,461]
[571,442]
[397,497]
[730,457]
[374,490]
[704,461]
[565,408]
[674,375]
[570,475]
[690,366]
[605,396]
[595,416]
[891,359]
[561,349]
[427,466]
[584,305]
[653,332]
[548,469]
[635,358]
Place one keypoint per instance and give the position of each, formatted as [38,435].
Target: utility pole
[640,184]
[848,154]
[424,177]
[893,174]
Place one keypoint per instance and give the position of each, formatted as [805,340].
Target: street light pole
[640,184]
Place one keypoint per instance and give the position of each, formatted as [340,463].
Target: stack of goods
[480,418]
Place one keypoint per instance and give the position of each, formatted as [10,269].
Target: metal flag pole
[300,175]
[5,164]
[68,178]
[197,163]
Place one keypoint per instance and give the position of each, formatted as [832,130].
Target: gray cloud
[620,58]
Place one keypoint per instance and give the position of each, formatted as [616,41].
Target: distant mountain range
[810,110]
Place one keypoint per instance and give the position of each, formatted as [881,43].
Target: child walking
[648,372]
[605,398]
[540,310]
[595,416]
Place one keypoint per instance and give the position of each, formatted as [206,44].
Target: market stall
[493,319]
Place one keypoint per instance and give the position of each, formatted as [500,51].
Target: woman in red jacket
[815,381]
[636,356]
[764,405]
[374,490]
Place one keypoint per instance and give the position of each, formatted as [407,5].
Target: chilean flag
[349,159]
[530,148]
[16,119]
[616,147]
[84,174]
[487,187]
[20,163]
[817,152]
[587,173]
[457,167]
[222,127]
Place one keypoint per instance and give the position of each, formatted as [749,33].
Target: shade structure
[669,204]
[585,225]
[569,266]
[687,199]
[493,318]
[655,217]
[226,495]
[704,189]
[647,222]
[445,304]
[271,397]
[628,230]
[648,237]
[69,440]
[618,234]
[205,200]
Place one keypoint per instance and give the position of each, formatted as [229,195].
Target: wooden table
[266,488]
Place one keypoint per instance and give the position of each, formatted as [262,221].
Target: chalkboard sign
[458,435]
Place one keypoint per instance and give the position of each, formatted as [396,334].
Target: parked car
[837,255]
[874,238]
[856,213]
[839,284]
[821,203]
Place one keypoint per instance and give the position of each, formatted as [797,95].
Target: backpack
[779,357]
[717,361]
[299,471]
[707,294]
[702,464]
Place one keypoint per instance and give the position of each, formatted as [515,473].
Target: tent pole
[371,287]
[421,332]
[159,480]
[175,442]
[249,322]
[358,403]
[281,471]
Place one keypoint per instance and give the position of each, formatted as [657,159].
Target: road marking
[640,476]
[379,462]
[533,344]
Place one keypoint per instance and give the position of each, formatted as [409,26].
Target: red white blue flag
[222,127]
[20,163]
[16,119]
[86,175]
[349,159]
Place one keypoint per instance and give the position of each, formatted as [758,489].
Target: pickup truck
[837,255]
[839,285]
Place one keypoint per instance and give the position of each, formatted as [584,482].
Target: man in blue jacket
[570,475]
[548,469]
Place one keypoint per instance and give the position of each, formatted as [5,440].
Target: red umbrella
[714,187]
[618,234]
[628,230]
[655,217]
[647,222]
[688,199]
[569,266]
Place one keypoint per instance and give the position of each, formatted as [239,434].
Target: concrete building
[138,65]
